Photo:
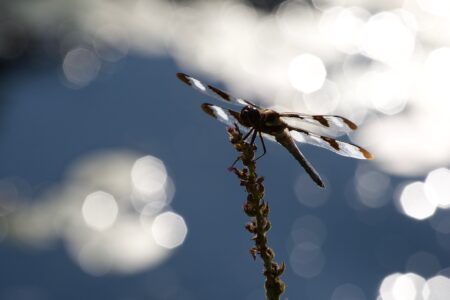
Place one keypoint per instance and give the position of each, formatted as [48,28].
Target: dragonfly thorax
[250,116]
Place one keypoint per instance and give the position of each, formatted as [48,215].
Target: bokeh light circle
[437,288]
[415,203]
[81,66]
[307,73]
[437,187]
[100,210]
[307,259]
[169,230]
[348,291]
[423,263]
[309,228]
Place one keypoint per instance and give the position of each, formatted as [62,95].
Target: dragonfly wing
[336,124]
[227,116]
[285,139]
[339,147]
[230,118]
[212,91]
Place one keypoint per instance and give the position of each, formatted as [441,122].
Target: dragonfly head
[250,116]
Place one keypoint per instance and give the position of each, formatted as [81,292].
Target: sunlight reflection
[386,90]
[308,235]
[307,260]
[441,221]
[437,187]
[419,133]
[437,288]
[94,213]
[387,285]
[400,63]
[307,192]
[111,43]
[89,260]
[436,71]
[348,292]
[415,203]
[420,200]
[372,187]
[148,175]
[125,248]
[152,188]
[342,27]
[387,38]
[309,229]
[81,66]
[169,230]
[423,263]
[100,210]
[404,287]
[325,100]
[443,240]
[307,73]
[401,287]
[436,7]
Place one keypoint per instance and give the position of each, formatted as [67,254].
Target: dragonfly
[257,121]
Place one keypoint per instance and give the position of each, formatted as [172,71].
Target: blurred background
[114,183]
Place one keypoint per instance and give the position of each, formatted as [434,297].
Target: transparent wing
[341,148]
[212,91]
[334,123]
[227,116]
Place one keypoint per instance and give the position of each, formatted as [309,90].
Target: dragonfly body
[264,120]
[258,121]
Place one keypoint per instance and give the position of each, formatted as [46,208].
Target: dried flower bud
[269,253]
[249,210]
[281,268]
[267,226]
[251,227]
[258,210]
[253,252]
[264,209]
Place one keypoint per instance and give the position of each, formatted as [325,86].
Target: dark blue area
[47,126]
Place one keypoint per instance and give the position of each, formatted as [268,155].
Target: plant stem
[256,208]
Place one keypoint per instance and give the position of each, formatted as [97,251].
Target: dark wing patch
[220,93]
[212,91]
[183,77]
[332,142]
[207,109]
[337,124]
[349,123]
[322,120]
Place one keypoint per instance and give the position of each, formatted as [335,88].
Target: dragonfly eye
[250,115]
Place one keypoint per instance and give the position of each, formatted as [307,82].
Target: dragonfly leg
[237,128]
[254,133]
[248,134]
[252,141]
[232,166]
[263,145]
